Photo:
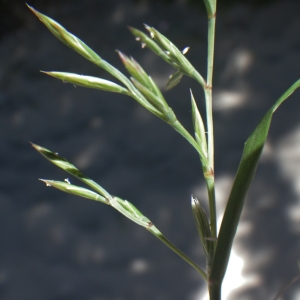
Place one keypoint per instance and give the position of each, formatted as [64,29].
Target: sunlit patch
[296,295]
[229,99]
[267,153]
[139,266]
[223,187]
[293,212]
[288,155]
[234,279]
[242,60]
[288,158]
[238,64]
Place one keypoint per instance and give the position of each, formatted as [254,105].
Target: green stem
[180,129]
[214,290]
[210,184]
[211,46]
[210,132]
[210,128]
[161,237]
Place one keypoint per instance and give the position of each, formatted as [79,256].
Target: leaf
[134,69]
[79,46]
[139,74]
[170,49]
[75,190]
[144,221]
[174,79]
[199,127]
[245,173]
[164,48]
[203,228]
[157,102]
[148,42]
[123,206]
[62,163]
[66,37]
[89,82]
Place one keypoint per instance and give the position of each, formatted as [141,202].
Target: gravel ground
[56,246]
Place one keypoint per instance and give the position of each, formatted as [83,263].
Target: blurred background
[56,246]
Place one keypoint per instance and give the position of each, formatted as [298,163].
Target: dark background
[55,246]
[12,14]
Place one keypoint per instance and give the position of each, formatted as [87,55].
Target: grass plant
[140,86]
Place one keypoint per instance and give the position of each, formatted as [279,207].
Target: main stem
[161,237]
[214,290]
[214,287]
[210,131]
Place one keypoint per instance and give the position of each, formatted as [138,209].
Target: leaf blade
[174,79]
[245,173]
[88,82]
[75,190]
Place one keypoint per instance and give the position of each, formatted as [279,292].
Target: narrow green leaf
[155,89]
[135,213]
[67,38]
[161,40]
[168,52]
[174,79]
[136,216]
[198,126]
[170,49]
[203,228]
[123,206]
[180,62]
[139,74]
[79,46]
[130,211]
[62,163]
[152,45]
[75,190]
[180,59]
[157,102]
[163,239]
[89,82]
[68,167]
[135,70]
[252,151]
